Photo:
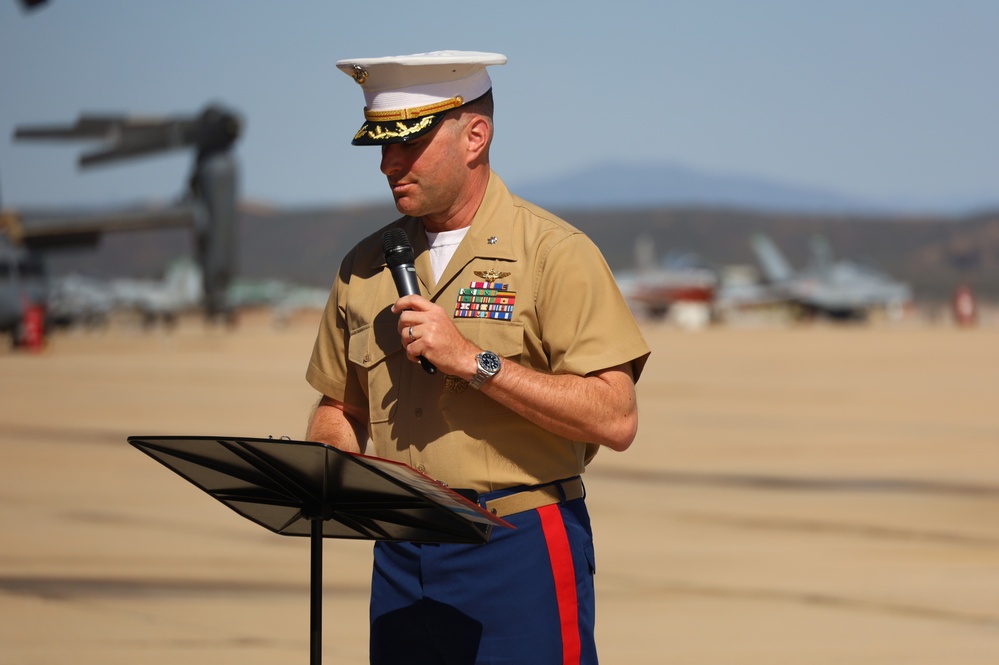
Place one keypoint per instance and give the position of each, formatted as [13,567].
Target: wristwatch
[489,364]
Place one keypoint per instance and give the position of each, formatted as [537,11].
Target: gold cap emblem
[360,74]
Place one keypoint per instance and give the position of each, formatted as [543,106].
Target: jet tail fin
[775,267]
[645,254]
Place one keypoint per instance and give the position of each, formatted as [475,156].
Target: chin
[406,207]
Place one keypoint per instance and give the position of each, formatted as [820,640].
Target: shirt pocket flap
[373,343]
[504,338]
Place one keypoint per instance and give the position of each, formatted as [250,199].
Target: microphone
[400,258]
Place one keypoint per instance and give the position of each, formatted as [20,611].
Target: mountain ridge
[627,185]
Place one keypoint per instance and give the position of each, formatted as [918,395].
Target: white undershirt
[443,245]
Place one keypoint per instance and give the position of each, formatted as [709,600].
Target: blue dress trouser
[524,598]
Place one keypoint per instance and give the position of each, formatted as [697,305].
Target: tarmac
[817,494]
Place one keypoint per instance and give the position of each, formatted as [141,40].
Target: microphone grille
[397,249]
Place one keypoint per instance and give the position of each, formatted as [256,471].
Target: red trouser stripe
[565,581]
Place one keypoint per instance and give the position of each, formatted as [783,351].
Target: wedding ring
[411,333]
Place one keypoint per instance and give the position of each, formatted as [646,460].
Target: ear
[478,133]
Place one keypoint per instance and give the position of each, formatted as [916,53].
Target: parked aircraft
[161,300]
[680,283]
[285,300]
[837,289]
[76,299]
[79,300]
[208,206]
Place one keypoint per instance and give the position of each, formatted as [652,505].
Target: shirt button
[421,469]
[367,358]
[418,412]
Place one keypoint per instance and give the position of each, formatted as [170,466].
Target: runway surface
[810,495]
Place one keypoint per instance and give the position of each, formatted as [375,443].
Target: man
[536,355]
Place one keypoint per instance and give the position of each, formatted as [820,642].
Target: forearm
[338,425]
[599,408]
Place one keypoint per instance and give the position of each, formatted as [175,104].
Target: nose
[391,159]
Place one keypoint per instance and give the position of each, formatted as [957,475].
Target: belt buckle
[469,494]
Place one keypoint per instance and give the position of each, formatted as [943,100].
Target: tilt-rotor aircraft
[207,206]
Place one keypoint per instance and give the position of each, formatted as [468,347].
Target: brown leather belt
[544,495]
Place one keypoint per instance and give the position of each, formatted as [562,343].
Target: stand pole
[316,615]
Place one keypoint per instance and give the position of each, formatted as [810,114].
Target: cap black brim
[396,131]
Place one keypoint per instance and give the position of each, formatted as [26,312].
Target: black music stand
[304,488]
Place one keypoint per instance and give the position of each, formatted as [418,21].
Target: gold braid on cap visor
[379,133]
[427,115]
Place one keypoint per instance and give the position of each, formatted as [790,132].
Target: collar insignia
[491,275]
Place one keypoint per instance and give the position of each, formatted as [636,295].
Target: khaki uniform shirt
[557,309]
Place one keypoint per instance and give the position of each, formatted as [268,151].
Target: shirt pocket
[505,339]
[377,354]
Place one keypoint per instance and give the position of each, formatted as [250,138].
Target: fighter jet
[837,289]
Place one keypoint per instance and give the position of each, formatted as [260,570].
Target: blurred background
[859,140]
[801,204]
[886,106]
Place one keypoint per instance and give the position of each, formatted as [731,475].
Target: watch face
[490,362]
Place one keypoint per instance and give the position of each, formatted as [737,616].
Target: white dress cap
[406,95]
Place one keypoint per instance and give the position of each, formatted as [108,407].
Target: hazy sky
[880,99]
